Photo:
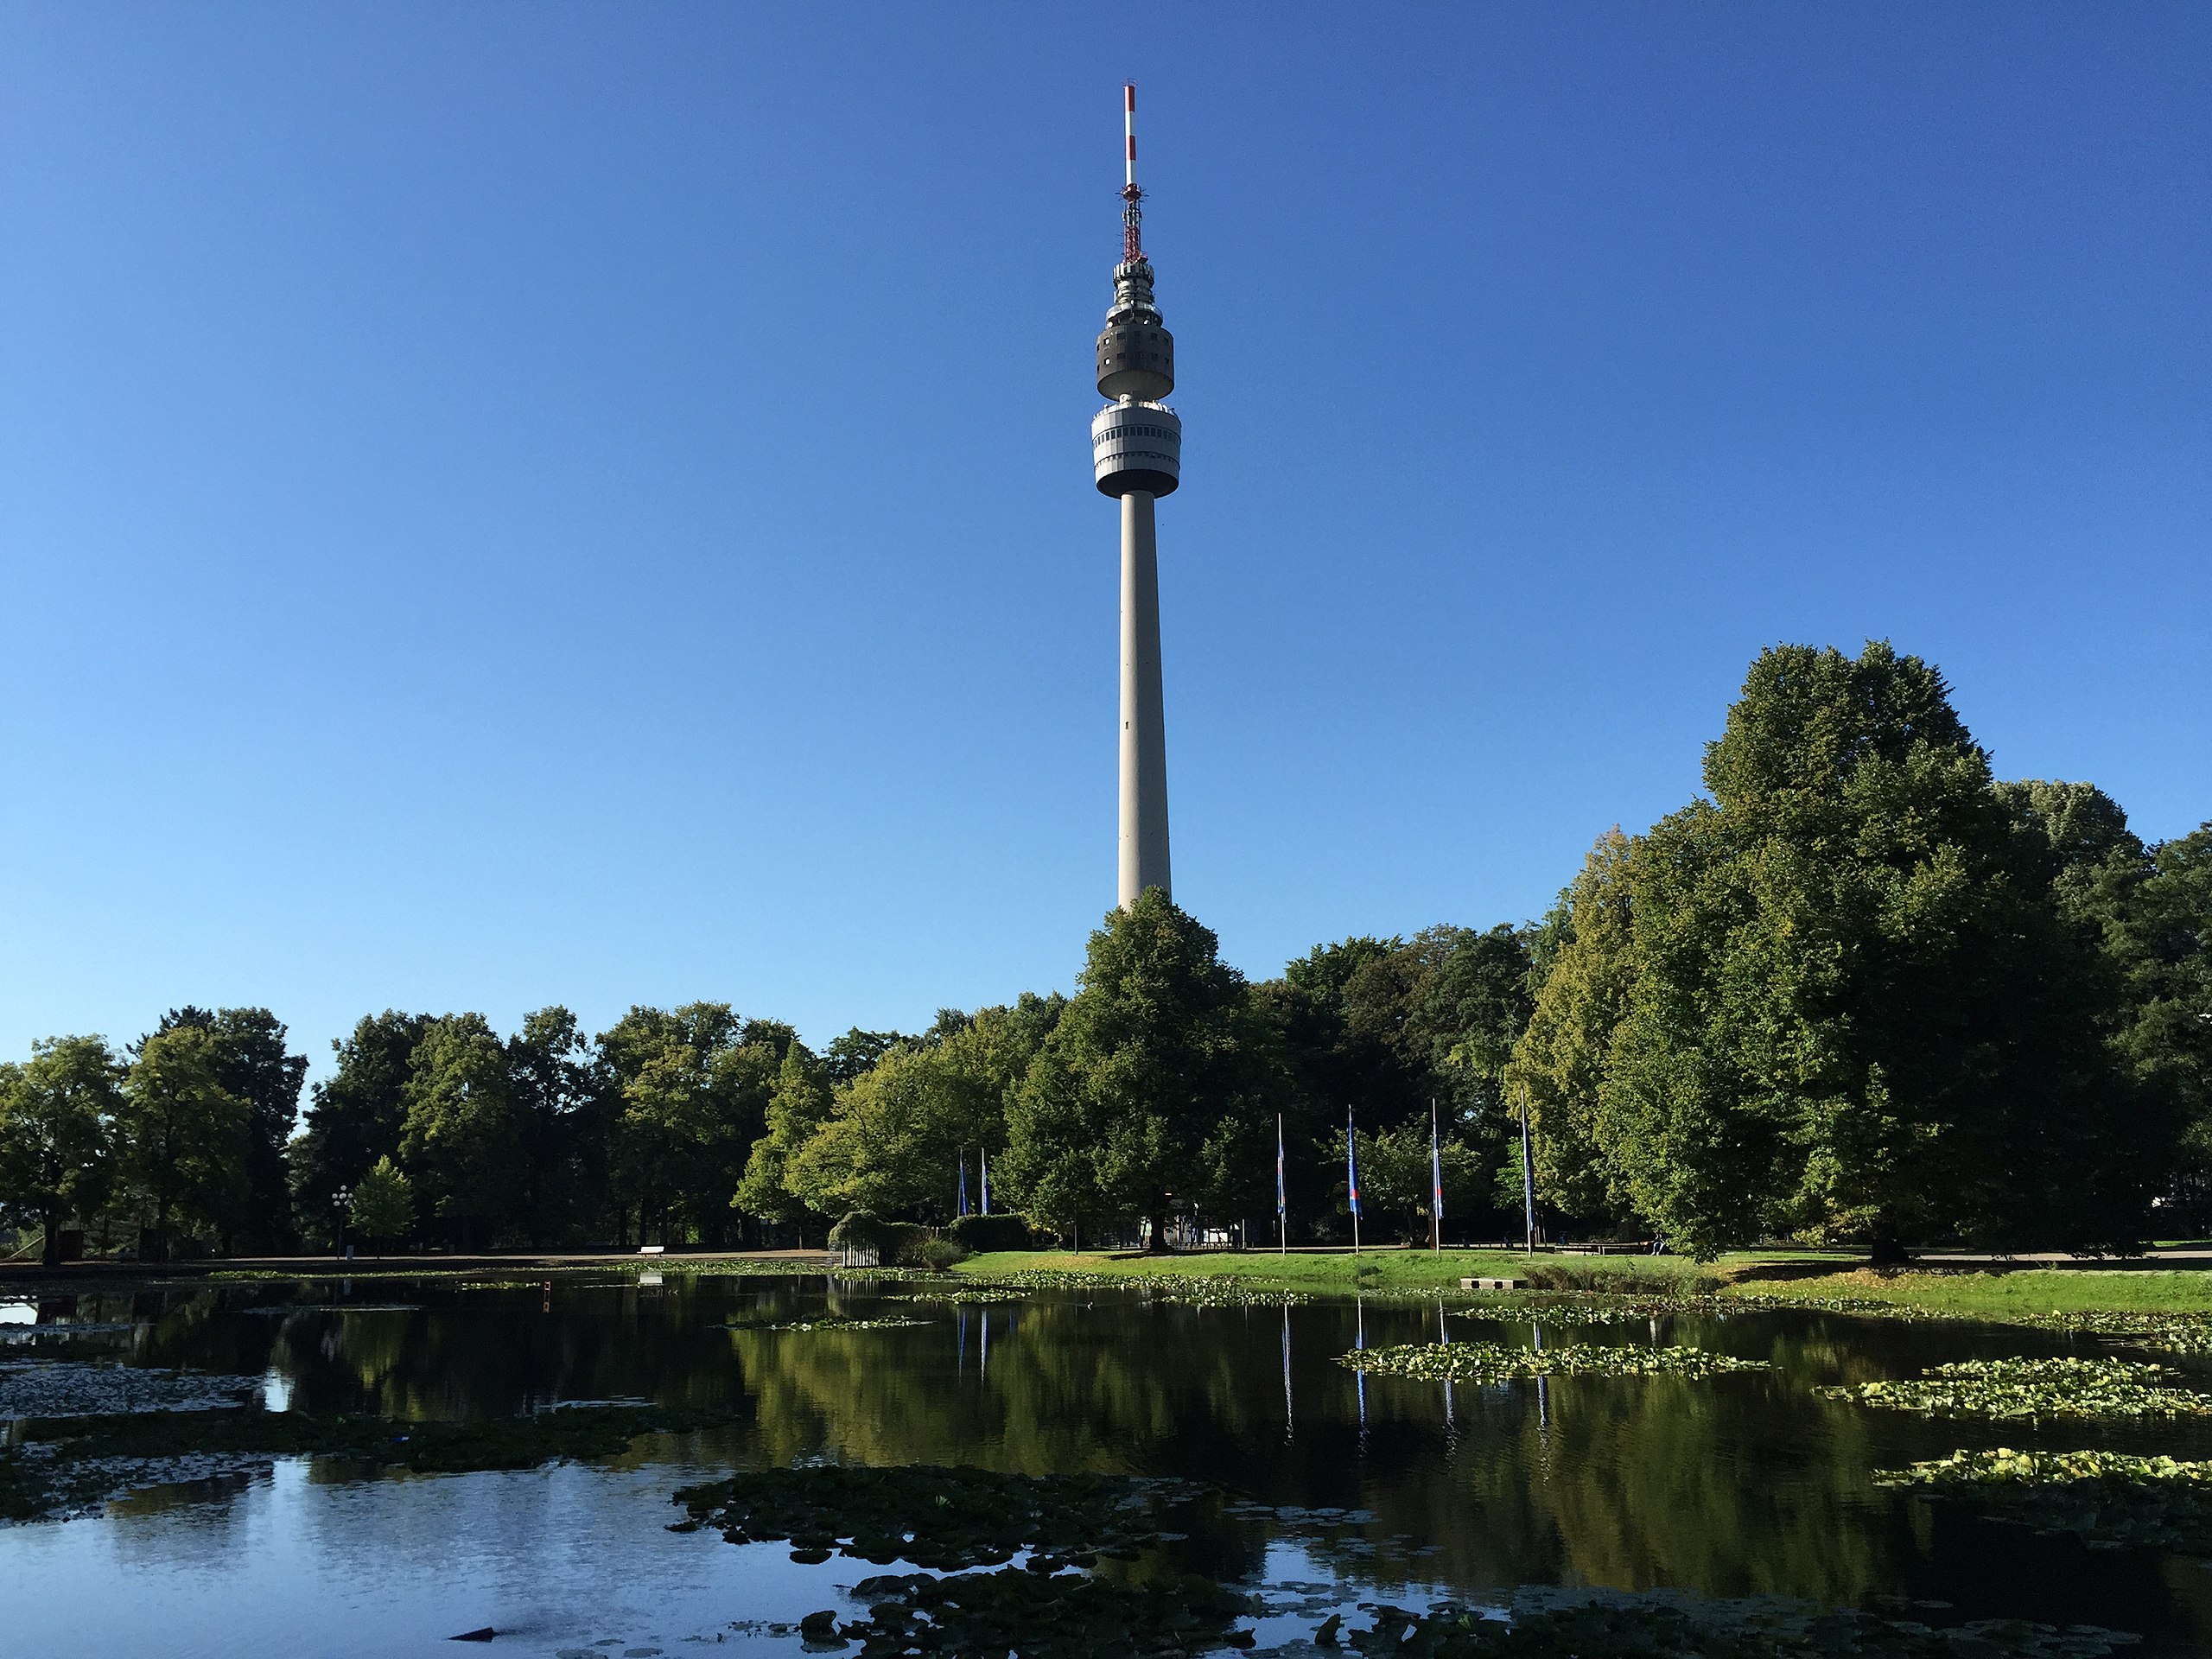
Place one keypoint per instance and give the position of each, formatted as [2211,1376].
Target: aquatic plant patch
[2005,1388]
[1230,1292]
[945,1518]
[1592,1310]
[2105,1498]
[2180,1334]
[1068,1617]
[1493,1362]
[1661,1626]
[1181,1289]
[966,1297]
[68,1463]
[828,1322]
[1865,1308]
[61,1388]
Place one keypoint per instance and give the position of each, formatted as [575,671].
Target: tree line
[1860,990]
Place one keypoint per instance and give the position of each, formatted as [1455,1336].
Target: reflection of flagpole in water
[1443,1335]
[961,1325]
[1289,1417]
[983,1349]
[1543,1386]
[1359,1341]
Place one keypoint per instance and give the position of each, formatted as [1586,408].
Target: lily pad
[2005,1389]
[1069,1616]
[69,1465]
[1493,1362]
[2105,1498]
[828,1322]
[1664,1626]
[939,1517]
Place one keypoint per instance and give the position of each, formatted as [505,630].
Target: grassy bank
[2022,1294]
[2026,1293]
[1340,1274]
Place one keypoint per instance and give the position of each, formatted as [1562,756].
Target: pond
[1341,1487]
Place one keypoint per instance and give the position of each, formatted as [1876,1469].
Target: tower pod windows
[1136,360]
[1136,446]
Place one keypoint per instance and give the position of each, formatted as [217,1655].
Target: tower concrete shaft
[1144,725]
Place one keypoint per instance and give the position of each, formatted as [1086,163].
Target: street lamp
[343,1197]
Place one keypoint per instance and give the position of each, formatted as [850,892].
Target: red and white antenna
[1129,128]
[1132,215]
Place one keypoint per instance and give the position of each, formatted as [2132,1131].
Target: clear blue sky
[509,504]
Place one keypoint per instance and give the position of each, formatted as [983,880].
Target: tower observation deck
[1136,452]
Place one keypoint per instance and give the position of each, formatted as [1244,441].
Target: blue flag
[964,1184]
[983,1161]
[1281,1204]
[1352,1162]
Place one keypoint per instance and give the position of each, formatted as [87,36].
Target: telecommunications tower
[1136,452]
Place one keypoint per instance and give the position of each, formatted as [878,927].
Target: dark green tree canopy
[57,1131]
[1852,1004]
[1157,1081]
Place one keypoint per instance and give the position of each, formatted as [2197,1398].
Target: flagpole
[1528,1182]
[1436,1185]
[1282,1208]
[1351,1177]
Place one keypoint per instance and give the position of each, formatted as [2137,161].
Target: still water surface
[1744,1485]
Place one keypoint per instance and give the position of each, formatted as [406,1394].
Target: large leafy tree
[1159,1080]
[1385,1028]
[2148,909]
[896,1136]
[356,1115]
[383,1207]
[184,1137]
[693,1086]
[1855,1008]
[56,1118]
[799,1107]
[549,1078]
[1587,972]
[1396,1188]
[253,1062]
[462,1140]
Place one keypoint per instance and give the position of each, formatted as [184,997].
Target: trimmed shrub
[979,1234]
[859,1230]
[893,1243]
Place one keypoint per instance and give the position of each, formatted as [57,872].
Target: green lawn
[2027,1293]
[1382,1269]
[1968,1294]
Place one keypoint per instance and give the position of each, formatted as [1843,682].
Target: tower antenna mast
[1132,193]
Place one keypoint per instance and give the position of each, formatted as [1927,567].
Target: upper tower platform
[1137,443]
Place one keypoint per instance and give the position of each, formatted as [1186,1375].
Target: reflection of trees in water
[1065,1388]
[1739,1485]
[1731,1487]
[487,1353]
